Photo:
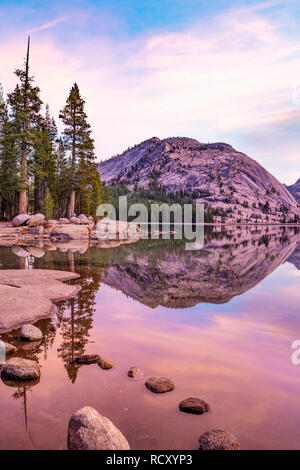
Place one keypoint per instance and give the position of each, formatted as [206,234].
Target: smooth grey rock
[88,430]
[20,369]
[20,219]
[217,439]
[31,333]
[83,219]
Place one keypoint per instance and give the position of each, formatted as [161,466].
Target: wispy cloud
[48,25]
[228,78]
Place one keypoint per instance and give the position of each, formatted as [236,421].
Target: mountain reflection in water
[159,274]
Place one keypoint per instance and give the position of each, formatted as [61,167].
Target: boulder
[88,430]
[21,369]
[83,219]
[20,219]
[193,405]
[36,220]
[218,439]
[106,363]
[88,359]
[160,385]
[31,333]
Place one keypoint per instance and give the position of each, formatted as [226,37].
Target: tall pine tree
[78,141]
[25,105]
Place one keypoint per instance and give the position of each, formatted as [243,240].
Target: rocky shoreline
[105,233]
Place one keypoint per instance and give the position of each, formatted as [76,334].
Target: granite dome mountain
[231,184]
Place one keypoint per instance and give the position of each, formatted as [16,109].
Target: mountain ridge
[224,179]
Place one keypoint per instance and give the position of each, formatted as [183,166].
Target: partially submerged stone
[31,333]
[160,384]
[88,430]
[132,372]
[193,405]
[106,363]
[20,369]
[217,439]
[88,359]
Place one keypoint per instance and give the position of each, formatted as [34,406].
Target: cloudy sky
[215,71]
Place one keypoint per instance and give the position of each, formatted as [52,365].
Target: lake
[219,322]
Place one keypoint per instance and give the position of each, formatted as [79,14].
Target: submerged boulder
[20,219]
[217,439]
[21,369]
[88,430]
[31,333]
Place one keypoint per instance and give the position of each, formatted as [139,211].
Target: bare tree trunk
[24,155]
[71,209]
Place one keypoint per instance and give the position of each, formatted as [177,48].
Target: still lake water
[219,322]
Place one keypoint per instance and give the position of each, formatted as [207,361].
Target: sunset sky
[215,71]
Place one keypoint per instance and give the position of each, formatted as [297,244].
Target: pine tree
[48,205]
[9,166]
[25,106]
[78,141]
[62,180]
[42,166]
[96,195]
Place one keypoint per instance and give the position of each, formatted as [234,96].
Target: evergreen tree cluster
[40,170]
